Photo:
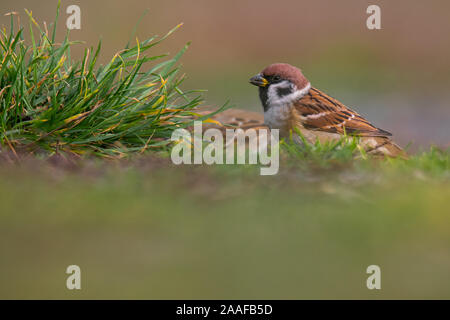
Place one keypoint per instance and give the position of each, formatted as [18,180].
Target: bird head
[280,83]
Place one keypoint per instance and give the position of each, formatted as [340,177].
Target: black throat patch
[264,97]
[264,94]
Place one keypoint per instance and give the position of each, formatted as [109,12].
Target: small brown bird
[290,102]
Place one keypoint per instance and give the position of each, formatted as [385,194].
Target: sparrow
[290,103]
[233,119]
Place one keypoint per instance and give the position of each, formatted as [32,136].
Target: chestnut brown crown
[286,72]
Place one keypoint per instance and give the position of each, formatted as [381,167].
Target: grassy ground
[149,229]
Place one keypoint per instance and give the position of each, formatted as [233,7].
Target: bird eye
[276,78]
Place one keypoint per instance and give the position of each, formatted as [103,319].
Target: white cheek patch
[279,107]
[274,99]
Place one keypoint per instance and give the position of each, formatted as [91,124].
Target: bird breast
[278,116]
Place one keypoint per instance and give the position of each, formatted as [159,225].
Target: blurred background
[398,76]
[149,230]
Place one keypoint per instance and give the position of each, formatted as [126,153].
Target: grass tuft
[347,152]
[322,154]
[52,104]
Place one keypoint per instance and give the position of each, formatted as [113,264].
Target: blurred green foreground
[152,231]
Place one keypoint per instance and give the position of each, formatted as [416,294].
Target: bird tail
[383,146]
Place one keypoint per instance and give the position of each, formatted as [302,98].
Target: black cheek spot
[284,91]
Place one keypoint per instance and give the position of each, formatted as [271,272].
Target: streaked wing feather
[318,111]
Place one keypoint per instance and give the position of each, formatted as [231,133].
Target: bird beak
[259,81]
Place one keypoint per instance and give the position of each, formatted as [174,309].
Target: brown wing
[318,111]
